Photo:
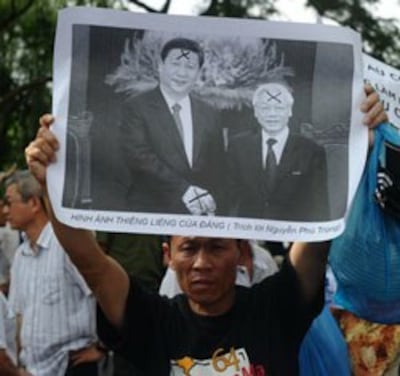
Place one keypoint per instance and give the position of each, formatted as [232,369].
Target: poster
[132,161]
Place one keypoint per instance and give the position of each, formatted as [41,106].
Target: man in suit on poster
[276,174]
[172,143]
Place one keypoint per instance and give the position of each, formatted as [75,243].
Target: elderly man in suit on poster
[172,143]
[276,174]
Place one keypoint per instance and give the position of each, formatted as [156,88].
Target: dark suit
[300,190]
[157,172]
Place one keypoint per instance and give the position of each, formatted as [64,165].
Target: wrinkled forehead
[200,240]
[272,94]
[182,54]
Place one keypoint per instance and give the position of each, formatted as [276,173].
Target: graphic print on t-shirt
[232,363]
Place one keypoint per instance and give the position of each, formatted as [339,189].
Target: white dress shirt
[56,305]
[280,138]
[187,122]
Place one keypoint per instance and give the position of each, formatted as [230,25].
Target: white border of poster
[220,226]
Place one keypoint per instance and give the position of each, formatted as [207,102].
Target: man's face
[18,213]
[206,271]
[272,109]
[179,72]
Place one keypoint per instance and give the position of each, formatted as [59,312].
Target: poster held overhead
[125,166]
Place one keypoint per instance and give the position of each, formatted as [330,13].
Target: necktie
[271,166]
[176,108]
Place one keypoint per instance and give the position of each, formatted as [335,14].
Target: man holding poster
[213,328]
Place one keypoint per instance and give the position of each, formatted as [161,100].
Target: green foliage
[241,8]
[381,38]
[26,48]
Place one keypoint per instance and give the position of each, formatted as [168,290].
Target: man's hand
[87,355]
[199,201]
[8,368]
[23,372]
[374,111]
[42,150]
[373,108]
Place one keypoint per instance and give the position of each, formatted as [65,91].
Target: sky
[291,10]
[296,10]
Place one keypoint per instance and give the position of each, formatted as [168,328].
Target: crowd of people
[76,303]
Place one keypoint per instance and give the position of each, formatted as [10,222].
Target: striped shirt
[56,305]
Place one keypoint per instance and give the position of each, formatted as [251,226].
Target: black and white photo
[178,124]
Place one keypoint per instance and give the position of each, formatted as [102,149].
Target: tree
[222,8]
[26,44]
[381,37]
[241,8]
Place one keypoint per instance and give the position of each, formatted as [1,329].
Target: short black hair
[183,44]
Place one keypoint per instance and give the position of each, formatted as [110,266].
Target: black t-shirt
[260,335]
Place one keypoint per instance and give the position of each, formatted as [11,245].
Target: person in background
[53,304]
[9,241]
[138,254]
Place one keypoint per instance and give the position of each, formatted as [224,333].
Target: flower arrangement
[233,67]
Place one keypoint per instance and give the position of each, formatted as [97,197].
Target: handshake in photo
[199,201]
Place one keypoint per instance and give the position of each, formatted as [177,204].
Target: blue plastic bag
[366,257]
[324,351]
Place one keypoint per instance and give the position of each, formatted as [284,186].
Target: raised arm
[309,259]
[106,278]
